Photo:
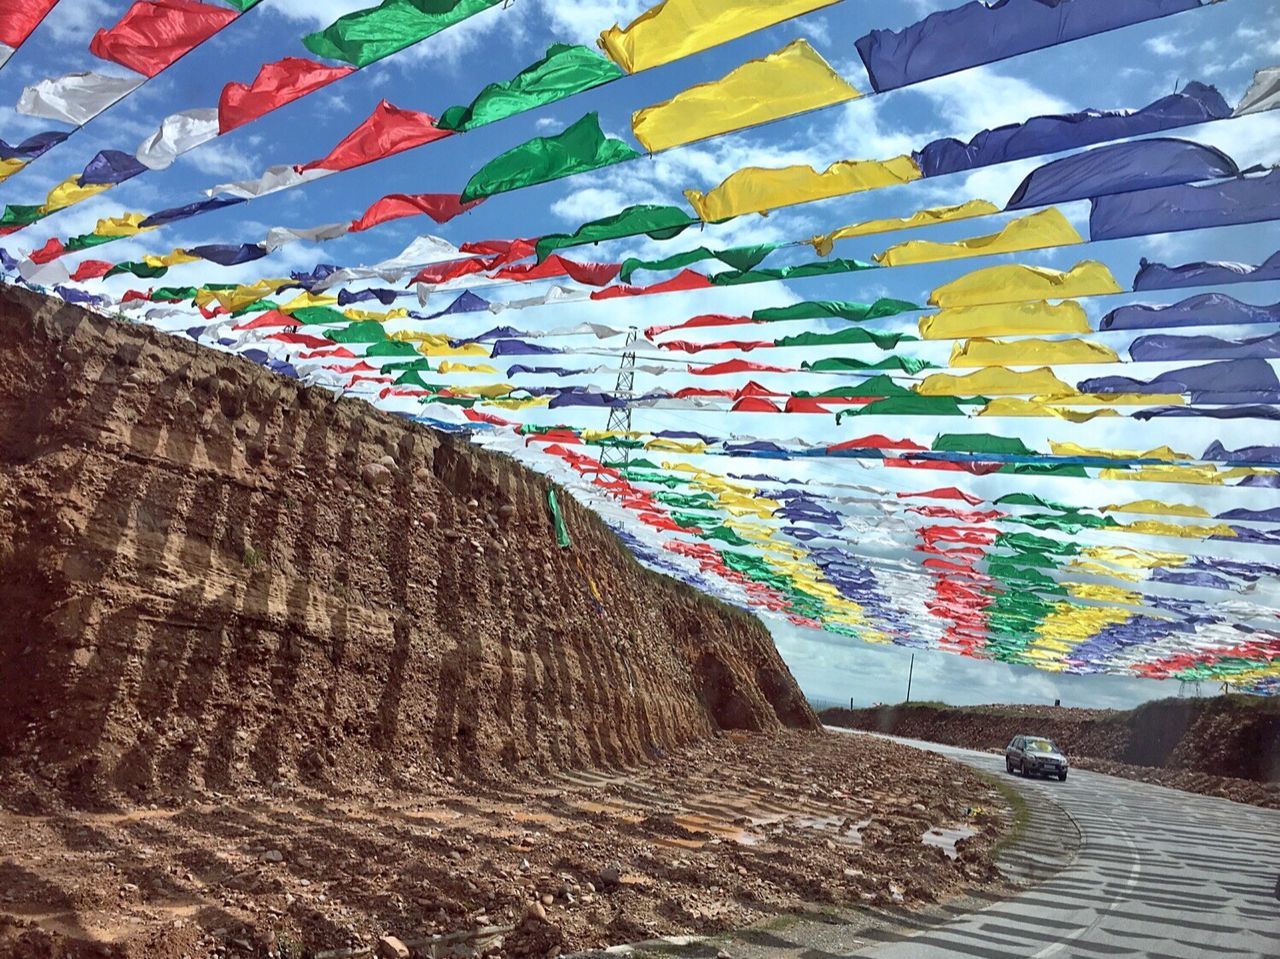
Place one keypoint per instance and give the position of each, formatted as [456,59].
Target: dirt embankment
[214,578]
[1227,746]
[285,675]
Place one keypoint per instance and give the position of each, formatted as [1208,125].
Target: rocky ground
[710,837]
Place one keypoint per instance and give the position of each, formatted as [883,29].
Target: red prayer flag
[710,319]
[50,251]
[737,366]
[302,339]
[592,274]
[151,36]
[685,346]
[269,318]
[441,207]
[947,492]
[443,272]
[875,441]
[275,85]
[682,281]
[19,17]
[388,131]
[754,404]
[91,270]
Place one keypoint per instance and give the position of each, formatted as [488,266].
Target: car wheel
[1008,765]
[1062,776]
[1026,770]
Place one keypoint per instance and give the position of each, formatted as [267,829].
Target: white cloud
[1164,45]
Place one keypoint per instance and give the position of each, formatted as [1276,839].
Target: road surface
[1159,874]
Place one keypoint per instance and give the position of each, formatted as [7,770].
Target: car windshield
[1041,746]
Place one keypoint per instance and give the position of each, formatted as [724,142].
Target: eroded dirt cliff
[213,578]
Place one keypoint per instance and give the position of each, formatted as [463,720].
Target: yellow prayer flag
[1017,406]
[662,444]
[174,258]
[127,225]
[757,189]
[1033,232]
[1152,527]
[995,381]
[306,300]
[1005,319]
[1124,399]
[1135,558]
[69,192]
[983,352]
[1105,594]
[374,316]
[9,167]
[1014,282]
[429,348]
[1157,508]
[450,367]
[1165,453]
[1196,475]
[241,295]
[1088,566]
[791,81]
[826,242]
[679,28]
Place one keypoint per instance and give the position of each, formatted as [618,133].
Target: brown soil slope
[214,578]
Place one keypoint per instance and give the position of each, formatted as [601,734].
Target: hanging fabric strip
[580,148]
[756,189]
[75,98]
[977,33]
[1054,133]
[364,36]
[152,35]
[793,80]
[564,71]
[675,29]
[1048,228]
[275,85]
[1247,199]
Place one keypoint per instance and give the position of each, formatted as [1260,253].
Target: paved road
[1159,874]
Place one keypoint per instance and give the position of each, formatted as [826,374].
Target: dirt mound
[216,579]
[1228,745]
[744,828]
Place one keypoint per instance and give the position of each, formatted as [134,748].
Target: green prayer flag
[980,443]
[854,334]
[138,269]
[1046,469]
[318,315]
[257,306]
[740,258]
[724,534]
[1030,499]
[368,331]
[19,215]
[173,294]
[647,219]
[565,70]
[88,241]
[909,405]
[242,5]
[363,36]
[388,348]
[840,364]
[821,268]
[414,378]
[557,518]
[580,148]
[686,500]
[834,309]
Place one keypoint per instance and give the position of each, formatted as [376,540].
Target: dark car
[1035,756]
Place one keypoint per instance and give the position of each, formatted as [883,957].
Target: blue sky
[1222,45]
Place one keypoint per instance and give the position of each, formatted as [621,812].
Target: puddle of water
[946,837]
